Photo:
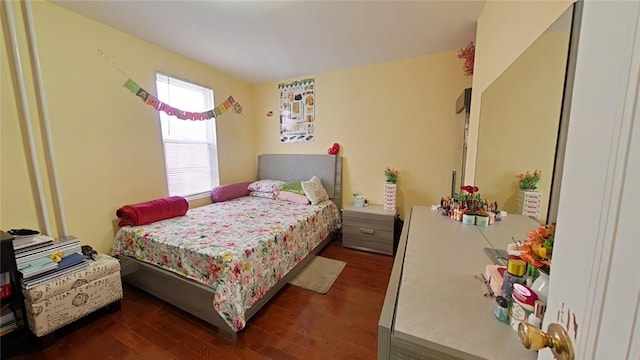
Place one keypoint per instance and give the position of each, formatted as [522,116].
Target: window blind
[189,146]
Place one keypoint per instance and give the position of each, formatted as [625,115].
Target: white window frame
[167,121]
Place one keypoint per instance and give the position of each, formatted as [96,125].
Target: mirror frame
[563,129]
[563,121]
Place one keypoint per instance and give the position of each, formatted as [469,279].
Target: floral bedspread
[240,247]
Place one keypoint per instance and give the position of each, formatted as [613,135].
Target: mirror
[519,122]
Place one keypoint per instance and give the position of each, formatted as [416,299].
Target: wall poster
[297,115]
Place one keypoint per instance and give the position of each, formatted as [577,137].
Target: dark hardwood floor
[295,324]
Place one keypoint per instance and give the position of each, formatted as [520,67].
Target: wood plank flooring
[295,324]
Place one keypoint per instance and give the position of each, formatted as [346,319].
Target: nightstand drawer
[367,220]
[368,239]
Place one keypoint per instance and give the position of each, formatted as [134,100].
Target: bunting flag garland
[295,84]
[153,101]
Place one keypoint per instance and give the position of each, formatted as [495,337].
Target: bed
[224,268]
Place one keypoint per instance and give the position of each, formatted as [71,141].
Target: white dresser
[434,307]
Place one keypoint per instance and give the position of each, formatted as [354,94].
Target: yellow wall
[107,142]
[524,102]
[505,29]
[399,113]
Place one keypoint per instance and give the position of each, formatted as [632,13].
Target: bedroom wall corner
[398,113]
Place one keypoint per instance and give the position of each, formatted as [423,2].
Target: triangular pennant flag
[169,110]
[153,101]
[149,99]
[132,86]
[143,94]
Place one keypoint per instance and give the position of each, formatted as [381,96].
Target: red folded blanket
[154,210]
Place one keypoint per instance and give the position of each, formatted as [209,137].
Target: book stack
[5,285]
[7,316]
[40,258]
[7,320]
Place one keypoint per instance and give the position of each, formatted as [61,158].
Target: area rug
[319,275]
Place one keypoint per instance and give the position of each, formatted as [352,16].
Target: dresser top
[439,300]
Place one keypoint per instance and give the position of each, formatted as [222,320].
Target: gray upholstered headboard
[294,167]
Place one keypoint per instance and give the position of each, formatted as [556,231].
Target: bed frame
[196,298]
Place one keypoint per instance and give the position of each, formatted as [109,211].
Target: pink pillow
[293,197]
[230,191]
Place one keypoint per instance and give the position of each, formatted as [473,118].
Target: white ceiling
[261,41]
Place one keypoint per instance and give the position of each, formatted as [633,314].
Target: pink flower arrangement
[529,180]
[391,174]
[468,54]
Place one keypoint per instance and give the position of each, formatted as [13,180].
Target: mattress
[240,248]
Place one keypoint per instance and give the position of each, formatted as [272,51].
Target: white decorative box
[66,298]
[390,196]
[528,202]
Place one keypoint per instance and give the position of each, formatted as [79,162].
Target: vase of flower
[469,198]
[390,188]
[537,251]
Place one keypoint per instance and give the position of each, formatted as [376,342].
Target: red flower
[470,188]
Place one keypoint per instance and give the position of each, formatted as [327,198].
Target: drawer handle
[367,231]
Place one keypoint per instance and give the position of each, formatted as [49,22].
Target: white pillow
[315,191]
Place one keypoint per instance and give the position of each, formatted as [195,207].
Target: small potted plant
[529,180]
[469,198]
[390,190]
[391,174]
[537,251]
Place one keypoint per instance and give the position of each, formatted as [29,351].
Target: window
[190,153]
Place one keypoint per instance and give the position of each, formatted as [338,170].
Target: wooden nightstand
[368,228]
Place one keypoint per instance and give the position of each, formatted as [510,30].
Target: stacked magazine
[7,320]
[40,258]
